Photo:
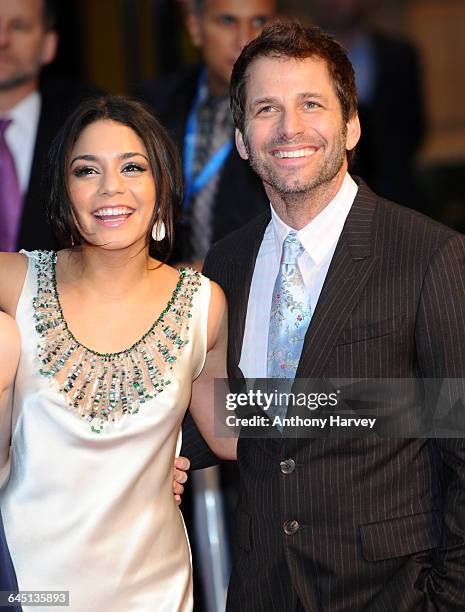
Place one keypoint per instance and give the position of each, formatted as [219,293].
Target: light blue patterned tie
[289,317]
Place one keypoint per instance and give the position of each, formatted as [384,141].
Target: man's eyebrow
[271,100]
[88,157]
[310,94]
[264,100]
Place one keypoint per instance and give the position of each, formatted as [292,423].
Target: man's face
[295,136]
[25,45]
[223,29]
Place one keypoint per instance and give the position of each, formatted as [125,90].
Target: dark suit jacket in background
[240,195]
[59,99]
[393,124]
[382,520]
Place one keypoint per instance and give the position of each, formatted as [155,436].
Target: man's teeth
[298,153]
[113,212]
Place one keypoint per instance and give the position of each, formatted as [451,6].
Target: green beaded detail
[102,387]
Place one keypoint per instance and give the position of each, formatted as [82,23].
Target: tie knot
[4,123]
[292,249]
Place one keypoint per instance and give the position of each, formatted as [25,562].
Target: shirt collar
[321,233]
[26,112]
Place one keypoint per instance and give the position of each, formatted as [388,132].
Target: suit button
[291,527]
[287,466]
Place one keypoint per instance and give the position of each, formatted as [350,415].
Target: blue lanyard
[193,184]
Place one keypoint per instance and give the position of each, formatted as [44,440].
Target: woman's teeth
[120,211]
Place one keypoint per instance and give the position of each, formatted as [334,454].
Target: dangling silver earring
[158,231]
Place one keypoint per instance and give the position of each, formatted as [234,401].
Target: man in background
[31,112]
[194,105]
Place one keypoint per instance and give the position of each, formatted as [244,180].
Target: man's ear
[194,27]
[353,132]
[240,146]
[49,48]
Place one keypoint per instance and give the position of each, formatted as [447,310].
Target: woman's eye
[132,167]
[83,171]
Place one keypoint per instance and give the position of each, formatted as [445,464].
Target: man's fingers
[178,489]
[180,476]
[182,463]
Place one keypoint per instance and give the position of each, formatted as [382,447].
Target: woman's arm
[202,403]
[13,268]
[10,346]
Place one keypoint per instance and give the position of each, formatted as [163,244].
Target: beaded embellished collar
[102,387]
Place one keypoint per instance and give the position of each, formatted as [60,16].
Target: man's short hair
[289,39]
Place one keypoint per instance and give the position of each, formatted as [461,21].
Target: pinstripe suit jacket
[382,521]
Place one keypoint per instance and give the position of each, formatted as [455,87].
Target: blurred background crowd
[177,56]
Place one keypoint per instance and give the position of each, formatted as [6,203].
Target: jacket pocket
[374,329]
[401,536]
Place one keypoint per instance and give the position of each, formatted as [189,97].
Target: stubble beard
[298,186]
[19,79]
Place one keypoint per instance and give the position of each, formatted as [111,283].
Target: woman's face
[111,185]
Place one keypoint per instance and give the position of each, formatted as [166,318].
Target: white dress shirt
[21,135]
[319,239]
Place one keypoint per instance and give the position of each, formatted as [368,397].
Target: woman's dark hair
[162,153]
[291,40]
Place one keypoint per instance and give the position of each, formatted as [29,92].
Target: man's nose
[291,123]
[245,33]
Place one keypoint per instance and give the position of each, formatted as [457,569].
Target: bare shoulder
[217,298]
[10,346]
[13,268]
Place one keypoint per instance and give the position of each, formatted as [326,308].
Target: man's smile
[286,153]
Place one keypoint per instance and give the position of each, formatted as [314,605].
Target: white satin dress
[94,513]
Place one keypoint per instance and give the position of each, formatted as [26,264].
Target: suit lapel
[35,231]
[350,268]
[240,278]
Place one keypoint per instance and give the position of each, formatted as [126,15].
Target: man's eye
[226,20]
[84,171]
[311,104]
[265,109]
[132,167]
[259,22]
[19,26]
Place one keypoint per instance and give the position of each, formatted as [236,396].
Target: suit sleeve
[440,339]
[194,446]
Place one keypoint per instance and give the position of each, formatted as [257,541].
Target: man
[393,124]
[194,105]
[30,115]
[335,282]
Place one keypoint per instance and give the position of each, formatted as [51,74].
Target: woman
[111,342]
